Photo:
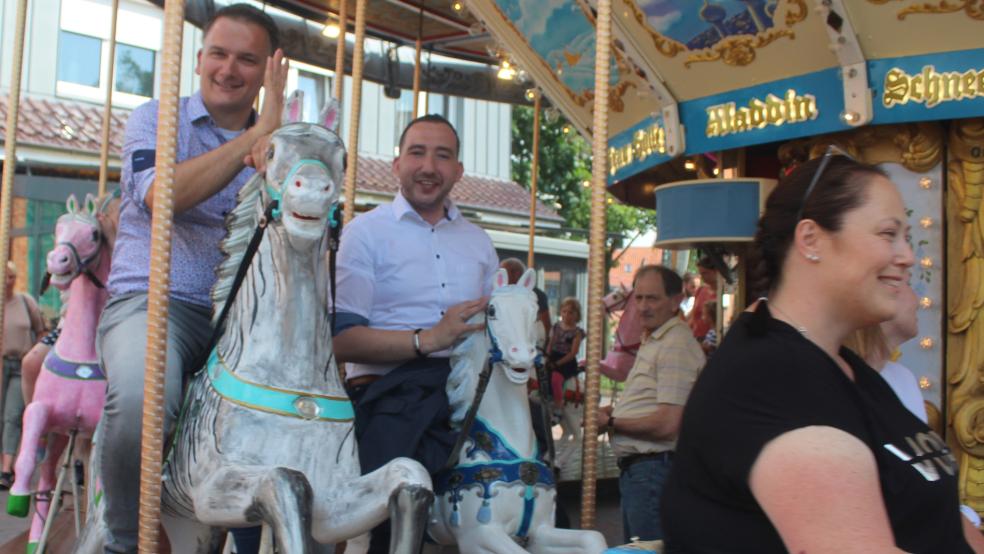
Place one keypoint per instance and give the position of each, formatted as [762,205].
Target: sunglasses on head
[827,156]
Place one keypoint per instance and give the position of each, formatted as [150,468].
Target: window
[404,112]
[134,70]
[313,86]
[628,268]
[79,59]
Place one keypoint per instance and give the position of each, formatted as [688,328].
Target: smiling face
[868,257]
[428,167]
[231,64]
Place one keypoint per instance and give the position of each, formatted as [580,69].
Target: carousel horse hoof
[31,547]
[19,505]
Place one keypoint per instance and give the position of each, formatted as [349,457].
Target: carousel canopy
[694,77]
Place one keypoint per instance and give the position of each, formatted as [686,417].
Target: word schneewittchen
[931,88]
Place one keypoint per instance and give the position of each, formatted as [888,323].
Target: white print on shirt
[929,451]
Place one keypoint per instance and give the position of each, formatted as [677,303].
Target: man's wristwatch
[416,343]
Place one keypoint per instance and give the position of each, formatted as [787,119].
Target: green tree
[565,169]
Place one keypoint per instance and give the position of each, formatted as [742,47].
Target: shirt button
[432,229]
[442,285]
[442,312]
[438,256]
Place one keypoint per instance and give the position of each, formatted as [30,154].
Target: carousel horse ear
[329,115]
[90,204]
[72,204]
[528,279]
[293,107]
[501,279]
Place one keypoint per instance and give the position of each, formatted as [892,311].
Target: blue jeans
[641,486]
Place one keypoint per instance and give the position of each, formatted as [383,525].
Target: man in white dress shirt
[409,276]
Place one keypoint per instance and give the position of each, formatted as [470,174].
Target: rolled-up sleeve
[139,154]
[355,278]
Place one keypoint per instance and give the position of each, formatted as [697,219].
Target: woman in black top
[790,442]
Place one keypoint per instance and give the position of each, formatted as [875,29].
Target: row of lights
[925,302]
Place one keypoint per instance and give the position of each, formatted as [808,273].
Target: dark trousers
[403,414]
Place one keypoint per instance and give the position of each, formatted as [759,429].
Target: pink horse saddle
[70,369]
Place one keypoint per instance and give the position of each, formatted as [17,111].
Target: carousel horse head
[510,320]
[617,299]
[304,173]
[78,242]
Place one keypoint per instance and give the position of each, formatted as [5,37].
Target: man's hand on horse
[271,113]
[454,325]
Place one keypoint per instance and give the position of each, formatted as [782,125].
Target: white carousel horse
[266,434]
[499,497]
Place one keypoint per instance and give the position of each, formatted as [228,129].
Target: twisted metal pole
[534,175]
[10,147]
[596,261]
[340,52]
[152,434]
[108,108]
[353,140]
[416,61]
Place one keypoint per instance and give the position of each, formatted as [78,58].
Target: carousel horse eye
[95,235]
[270,153]
[491,312]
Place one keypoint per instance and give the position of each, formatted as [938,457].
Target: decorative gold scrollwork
[916,146]
[973,8]
[738,50]
[965,326]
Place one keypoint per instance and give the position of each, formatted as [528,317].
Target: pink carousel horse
[628,334]
[71,387]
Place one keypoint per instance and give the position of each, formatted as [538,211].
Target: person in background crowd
[707,292]
[565,341]
[790,442]
[691,283]
[22,324]
[644,424]
[710,342]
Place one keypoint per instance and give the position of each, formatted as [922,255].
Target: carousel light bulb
[925,183]
[610,201]
[586,183]
[850,117]
[716,172]
[689,165]
[531,94]
[925,302]
[506,71]
[926,222]
[925,383]
[926,262]
[331,30]
[457,6]
[926,343]
[566,129]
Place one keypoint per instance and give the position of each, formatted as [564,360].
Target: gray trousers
[122,343]
[13,405]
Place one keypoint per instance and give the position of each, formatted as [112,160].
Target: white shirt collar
[402,208]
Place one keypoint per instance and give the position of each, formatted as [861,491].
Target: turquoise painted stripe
[280,402]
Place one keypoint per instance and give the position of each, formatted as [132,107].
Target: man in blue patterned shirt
[216,131]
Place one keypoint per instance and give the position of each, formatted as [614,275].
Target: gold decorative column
[108,108]
[152,434]
[596,261]
[965,299]
[534,175]
[352,162]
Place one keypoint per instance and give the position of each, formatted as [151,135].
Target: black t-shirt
[765,380]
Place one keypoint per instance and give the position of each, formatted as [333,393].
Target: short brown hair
[249,14]
[573,303]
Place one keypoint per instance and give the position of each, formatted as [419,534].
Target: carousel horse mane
[468,358]
[240,224]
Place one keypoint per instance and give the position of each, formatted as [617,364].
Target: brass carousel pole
[340,52]
[596,262]
[152,435]
[10,146]
[416,61]
[534,174]
[353,140]
[108,108]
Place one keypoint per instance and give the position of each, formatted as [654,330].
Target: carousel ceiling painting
[697,76]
